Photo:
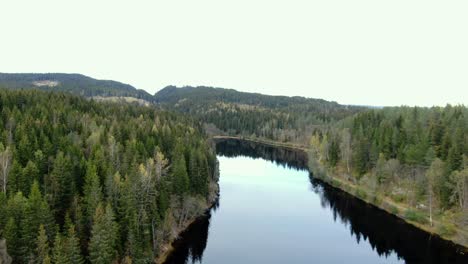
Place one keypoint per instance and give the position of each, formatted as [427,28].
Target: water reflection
[285,157]
[387,235]
[192,244]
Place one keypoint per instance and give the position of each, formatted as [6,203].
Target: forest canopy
[280,118]
[414,156]
[98,182]
[73,83]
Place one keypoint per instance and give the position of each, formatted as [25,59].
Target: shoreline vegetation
[410,215]
[167,248]
[265,142]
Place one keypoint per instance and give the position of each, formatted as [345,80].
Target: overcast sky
[353,52]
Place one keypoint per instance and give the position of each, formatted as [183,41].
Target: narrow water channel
[272,210]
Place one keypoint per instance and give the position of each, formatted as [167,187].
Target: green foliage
[412,154]
[42,247]
[415,216]
[72,247]
[439,182]
[446,229]
[11,234]
[102,246]
[394,210]
[92,191]
[180,176]
[333,151]
[361,194]
[59,251]
[60,184]
[66,155]
[278,118]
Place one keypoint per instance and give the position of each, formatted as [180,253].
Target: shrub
[394,210]
[446,229]
[398,198]
[415,216]
[360,193]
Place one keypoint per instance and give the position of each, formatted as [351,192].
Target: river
[272,210]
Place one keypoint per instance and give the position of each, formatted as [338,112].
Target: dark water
[271,210]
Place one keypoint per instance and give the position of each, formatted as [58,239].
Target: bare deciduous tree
[5,164]
[435,171]
[460,188]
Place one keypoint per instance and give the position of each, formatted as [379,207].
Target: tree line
[73,83]
[279,118]
[417,156]
[88,182]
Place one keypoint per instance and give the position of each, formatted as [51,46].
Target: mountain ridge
[71,82]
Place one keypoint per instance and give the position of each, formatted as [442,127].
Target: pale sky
[373,52]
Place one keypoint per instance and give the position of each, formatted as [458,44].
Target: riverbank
[167,248]
[442,228]
[265,142]
[333,179]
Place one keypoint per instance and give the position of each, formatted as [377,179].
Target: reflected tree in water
[385,233]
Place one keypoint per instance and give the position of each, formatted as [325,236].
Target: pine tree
[380,172]
[361,156]
[72,247]
[16,208]
[333,151]
[455,154]
[59,251]
[30,174]
[59,184]
[92,191]
[11,234]
[179,173]
[102,246]
[36,213]
[203,175]
[42,247]
[194,172]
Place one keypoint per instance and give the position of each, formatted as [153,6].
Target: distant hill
[280,118]
[224,111]
[74,83]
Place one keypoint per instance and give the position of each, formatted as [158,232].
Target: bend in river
[272,210]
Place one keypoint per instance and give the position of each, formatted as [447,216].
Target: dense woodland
[280,118]
[84,181]
[89,182]
[225,111]
[73,83]
[414,156]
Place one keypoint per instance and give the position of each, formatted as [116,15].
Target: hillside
[411,161]
[224,111]
[96,181]
[282,118]
[75,83]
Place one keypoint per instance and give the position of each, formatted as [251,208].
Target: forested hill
[74,83]
[224,111]
[172,94]
[282,118]
[412,161]
[103,182]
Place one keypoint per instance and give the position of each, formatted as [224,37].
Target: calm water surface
[271,210]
